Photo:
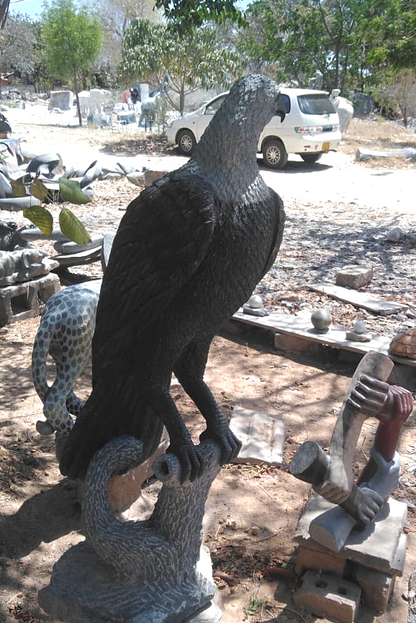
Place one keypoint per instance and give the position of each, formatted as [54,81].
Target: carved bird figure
[188,253]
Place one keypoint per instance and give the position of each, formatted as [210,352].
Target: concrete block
[310,558]
[262,437]
[325,595]
[354,276]
[26,300]
[376,586]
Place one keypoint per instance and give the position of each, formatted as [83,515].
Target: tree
[72,39]
[17,44]
[115,18]
[295,38]
[392,37]
[186,15]
[192,60]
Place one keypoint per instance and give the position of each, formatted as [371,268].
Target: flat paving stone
[300,326]
[359,299]
[262,437]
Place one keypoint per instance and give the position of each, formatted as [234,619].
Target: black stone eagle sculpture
[188,253]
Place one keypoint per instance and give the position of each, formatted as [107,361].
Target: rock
[352,336]
[354,276]
[395,235]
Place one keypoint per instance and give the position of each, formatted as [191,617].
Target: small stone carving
[404,344]
[65,333]
[136,571]
[359,333]
[23,265]
[254,307]
[321,320]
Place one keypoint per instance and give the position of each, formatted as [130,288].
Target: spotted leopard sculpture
[65,332]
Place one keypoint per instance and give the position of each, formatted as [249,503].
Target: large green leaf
[72,227]
[18,187]
[38,189]
[41,217]
[71,191]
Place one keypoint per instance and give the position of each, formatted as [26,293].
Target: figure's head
[257,94]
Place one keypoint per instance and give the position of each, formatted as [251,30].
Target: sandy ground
[252,511]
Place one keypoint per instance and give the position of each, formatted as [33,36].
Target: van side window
[213,107]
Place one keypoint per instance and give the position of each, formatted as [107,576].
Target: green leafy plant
[253,606]
[70,190]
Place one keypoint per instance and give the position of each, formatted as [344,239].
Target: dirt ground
[252,511]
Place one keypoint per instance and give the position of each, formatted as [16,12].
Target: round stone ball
[359,327]
[321,320]
[255,302]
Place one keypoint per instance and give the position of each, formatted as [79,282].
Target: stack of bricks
[26,300]
[334,583]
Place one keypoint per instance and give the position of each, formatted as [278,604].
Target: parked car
[310,128]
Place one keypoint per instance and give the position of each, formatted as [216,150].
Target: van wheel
[186,142]
[311,157]
[274,154]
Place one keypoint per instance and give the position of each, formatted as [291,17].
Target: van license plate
[325,146]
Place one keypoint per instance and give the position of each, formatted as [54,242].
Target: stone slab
[381,546]
[359,299]
[26,300]
[326,595]
[300,327]
[262,437]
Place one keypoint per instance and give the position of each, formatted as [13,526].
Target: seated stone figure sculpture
[24,264]
[65,333]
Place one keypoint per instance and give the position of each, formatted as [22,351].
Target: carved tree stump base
[83,589]
[146,571]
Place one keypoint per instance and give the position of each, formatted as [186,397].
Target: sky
[33,8]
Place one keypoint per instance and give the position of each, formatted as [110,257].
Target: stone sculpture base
[373,558]
[146,571]
[83,589]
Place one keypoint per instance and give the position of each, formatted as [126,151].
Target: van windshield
[315,105]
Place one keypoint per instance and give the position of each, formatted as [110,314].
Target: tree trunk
[77,99]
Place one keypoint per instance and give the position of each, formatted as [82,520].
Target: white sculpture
[344,108]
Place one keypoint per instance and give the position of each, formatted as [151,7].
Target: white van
[310,128]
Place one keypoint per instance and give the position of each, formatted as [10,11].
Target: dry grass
[379,135]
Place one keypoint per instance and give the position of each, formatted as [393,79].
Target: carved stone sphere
[255,301]
[321,320]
